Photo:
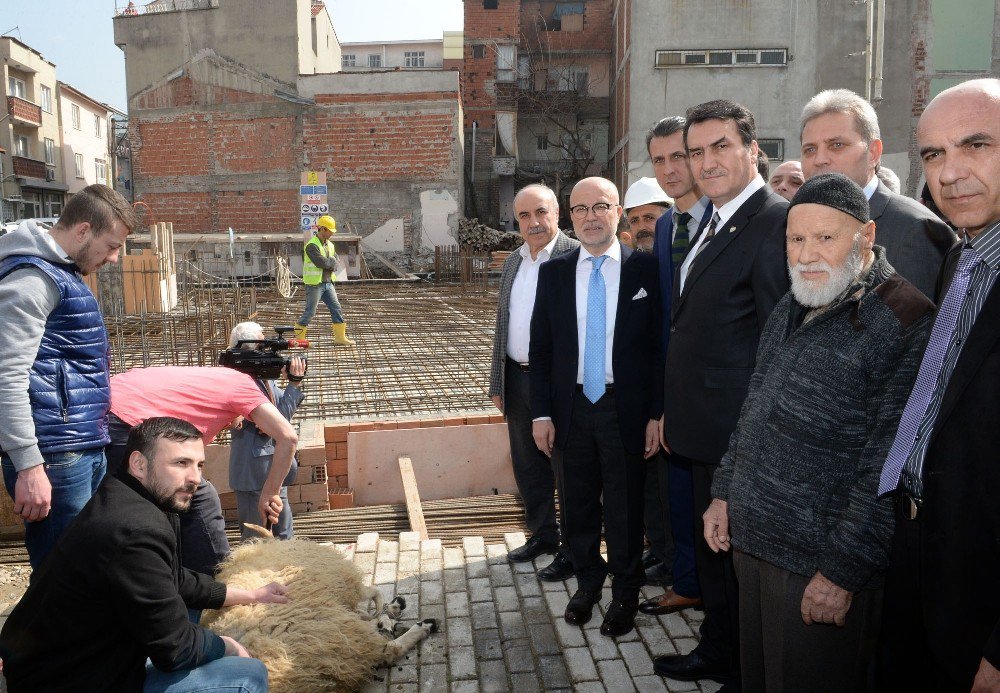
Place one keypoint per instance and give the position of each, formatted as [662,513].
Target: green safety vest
[311,274]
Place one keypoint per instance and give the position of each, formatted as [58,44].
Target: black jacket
[716,323]
[111,594]
[636,359]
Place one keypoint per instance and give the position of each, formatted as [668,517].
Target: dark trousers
[681,505]
[532,468]
[719,591]
[906,660]
[779,653]
[203,528]
[657,509]
[593,463]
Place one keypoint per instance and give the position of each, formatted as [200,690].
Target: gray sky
[77,35]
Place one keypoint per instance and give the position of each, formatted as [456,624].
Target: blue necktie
[595,341]
[929,373]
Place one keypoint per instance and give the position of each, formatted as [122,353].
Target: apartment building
[32,173]
[363,56]
[85,128]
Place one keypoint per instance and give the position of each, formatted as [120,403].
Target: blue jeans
[235,674]
[74,477]
[325,291]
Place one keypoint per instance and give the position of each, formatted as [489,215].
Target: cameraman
[252,450]
[210,397]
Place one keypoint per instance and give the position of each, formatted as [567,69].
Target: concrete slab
[448,462]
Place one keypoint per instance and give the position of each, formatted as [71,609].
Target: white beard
[815,294]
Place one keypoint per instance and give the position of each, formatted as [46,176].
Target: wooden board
[412,493]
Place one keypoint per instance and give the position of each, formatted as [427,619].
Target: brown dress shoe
[668,603]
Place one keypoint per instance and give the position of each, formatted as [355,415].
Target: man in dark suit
[840,134]
[595,360]
[537,211]
[941,619]
[674,230]
[723,292]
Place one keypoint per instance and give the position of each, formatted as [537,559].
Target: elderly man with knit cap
[796,495]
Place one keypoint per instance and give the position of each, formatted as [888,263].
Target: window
[349,61]
[479,51]
[21,146]
[15,87]
[743,57]
[97,125]
[774,148]
[79,165]
[543,143]
[505,64]
[75,111]
[374,61]
[413,59]
[573,78]
[46,99]
[490,4]
[50,151]
[101,168]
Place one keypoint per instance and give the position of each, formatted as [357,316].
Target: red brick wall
[485,27]
[596,34]
[189,211]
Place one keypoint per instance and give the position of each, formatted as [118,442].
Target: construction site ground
[424,349]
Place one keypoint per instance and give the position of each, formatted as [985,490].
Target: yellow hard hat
[327,222]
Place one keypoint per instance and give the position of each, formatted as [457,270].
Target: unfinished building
[231,101]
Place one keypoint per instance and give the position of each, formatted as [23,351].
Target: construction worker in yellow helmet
[319,263]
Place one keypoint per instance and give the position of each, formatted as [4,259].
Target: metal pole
[475,124]
[879,46]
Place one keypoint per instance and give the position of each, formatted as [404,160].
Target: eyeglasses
[599,209]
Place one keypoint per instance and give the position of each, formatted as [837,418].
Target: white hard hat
[645,191]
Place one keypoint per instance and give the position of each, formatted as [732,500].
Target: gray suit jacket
[251,450]
[564,244]
[915,239]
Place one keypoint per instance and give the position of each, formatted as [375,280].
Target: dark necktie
[709,235]
[682,239]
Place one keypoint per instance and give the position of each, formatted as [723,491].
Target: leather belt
[523,367]
[909,505]
[608,389]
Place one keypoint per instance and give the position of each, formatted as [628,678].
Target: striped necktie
[682,239]
[709,235]
[929,373]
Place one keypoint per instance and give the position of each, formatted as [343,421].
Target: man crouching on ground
[108,609]
[798,486]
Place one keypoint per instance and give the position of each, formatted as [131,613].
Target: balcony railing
[123,8]
[23,112]
[28,168]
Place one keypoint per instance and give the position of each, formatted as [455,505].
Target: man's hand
[270,507]
[717,525]
[296,370]
[652,438]
[663,441]
[498,402]
[233,648]
[33,494]
[544,433]
[824,602]
[271,593]
[987,678]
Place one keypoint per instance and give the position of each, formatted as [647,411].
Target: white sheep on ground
[319,640]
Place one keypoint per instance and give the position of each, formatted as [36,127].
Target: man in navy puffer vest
[54,391]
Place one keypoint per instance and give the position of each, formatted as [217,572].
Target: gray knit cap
[834,190]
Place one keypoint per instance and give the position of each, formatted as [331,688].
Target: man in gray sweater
[797,487]
[54,391]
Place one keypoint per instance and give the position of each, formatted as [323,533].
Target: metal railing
[130,9]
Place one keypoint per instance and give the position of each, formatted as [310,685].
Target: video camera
[263,360]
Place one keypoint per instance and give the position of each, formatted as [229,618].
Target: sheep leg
[394,649]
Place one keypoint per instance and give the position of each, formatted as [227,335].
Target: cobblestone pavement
[503,630]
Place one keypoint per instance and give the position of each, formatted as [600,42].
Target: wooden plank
[413,507]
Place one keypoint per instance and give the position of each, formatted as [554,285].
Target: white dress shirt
[725,213]
[871,187]
[522,300]
[697,211]
[611,270]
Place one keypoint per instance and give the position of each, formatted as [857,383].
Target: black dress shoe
[620,618]
[691,667]
[649,559]
[581,607]
[535,547]
[559,569]
[660,575]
